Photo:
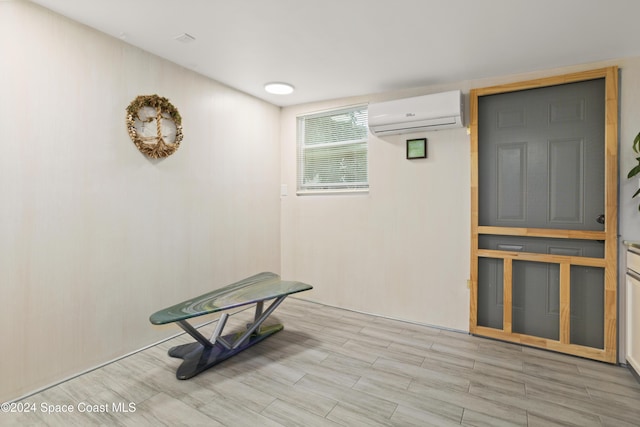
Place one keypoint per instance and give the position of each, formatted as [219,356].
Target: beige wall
[629,128]
[94,236]
[403,249]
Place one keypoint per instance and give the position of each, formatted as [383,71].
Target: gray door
[541,166]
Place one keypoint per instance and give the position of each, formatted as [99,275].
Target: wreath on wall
[154,125]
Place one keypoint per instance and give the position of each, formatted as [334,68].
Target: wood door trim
[609,235]
[507,292]
[565,303]
[547,258]
[547,344]
[549,81]
[543,232]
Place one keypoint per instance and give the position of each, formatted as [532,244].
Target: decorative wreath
[145,109]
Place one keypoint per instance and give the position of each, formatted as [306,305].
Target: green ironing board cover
[262,286]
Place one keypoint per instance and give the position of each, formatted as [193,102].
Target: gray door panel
[541,157]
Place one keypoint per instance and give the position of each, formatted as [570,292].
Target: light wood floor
[332,367]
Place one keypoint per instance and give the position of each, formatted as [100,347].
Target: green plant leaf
[635,171]
[635,194]
[636,143]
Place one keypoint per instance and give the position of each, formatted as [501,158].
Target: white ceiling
[337,48]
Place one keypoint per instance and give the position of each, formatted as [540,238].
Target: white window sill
[333,192]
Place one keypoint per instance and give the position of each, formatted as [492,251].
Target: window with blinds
[333,150]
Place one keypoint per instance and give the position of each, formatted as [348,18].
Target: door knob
[600,219]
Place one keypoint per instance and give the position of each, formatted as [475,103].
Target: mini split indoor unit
[428,112]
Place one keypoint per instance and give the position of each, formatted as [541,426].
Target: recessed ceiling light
[278,88]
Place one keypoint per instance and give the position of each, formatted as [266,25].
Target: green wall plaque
[417,148]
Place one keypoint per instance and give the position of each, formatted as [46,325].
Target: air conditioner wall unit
[428,112]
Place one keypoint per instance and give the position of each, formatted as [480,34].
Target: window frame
[359,144]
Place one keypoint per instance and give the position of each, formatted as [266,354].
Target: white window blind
[333,150]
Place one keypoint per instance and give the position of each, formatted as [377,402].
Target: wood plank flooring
[333,367]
